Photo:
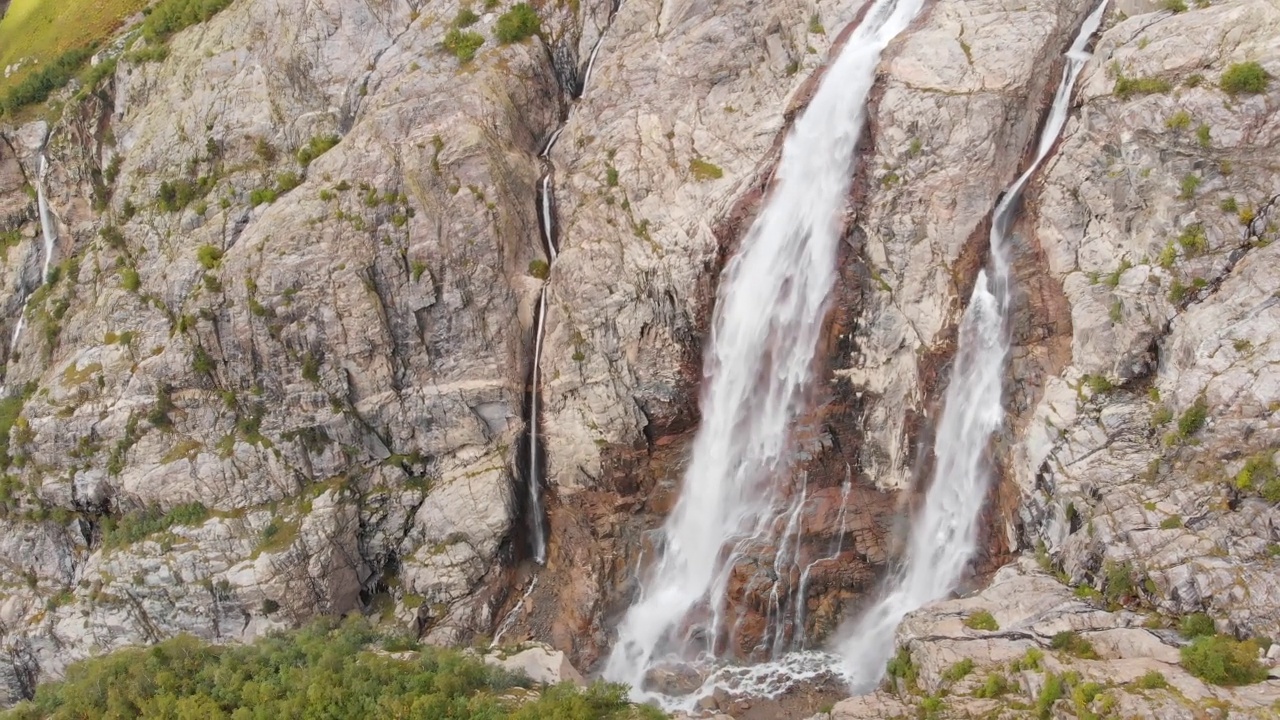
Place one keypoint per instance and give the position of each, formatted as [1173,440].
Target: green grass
[45,29]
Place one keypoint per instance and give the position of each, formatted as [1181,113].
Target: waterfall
[768,317]
[49,235]
[547,229]
[945,533]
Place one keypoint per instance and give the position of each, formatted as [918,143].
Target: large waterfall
[768,317]
[944,535]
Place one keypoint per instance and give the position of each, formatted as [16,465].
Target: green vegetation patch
[463,44]
[45,30]
[982,620]
[135,526]
[171,16]
[518,23]
[704,171]
[1223,660]
[316,147]
[332,669]
[1127,87]
[1196,625]
[1247,78]
[1070,642]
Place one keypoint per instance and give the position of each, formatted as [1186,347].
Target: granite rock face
[279,364]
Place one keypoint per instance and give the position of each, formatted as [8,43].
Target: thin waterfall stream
[49,236]
[945,533]
[546,209]
[768,318]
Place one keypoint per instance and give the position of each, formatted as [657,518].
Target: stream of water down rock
[768,317]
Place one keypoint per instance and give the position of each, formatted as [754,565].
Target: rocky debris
[1118,666]
[541,663]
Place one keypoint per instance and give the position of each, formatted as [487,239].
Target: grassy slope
[45,29]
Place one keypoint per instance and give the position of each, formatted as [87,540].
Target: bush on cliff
[170,16]
[1223,660]
[516,24]
[332,669]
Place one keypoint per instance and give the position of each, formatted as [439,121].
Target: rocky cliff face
[279,365]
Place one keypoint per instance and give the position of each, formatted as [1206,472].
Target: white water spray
[49,235]
[945,533]
[773,296]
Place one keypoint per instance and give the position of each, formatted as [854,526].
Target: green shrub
[135,526]
[1153,680]
[463,44]
[1260,473]
[1194,240]
[154,52]
[262,195]
[901,666]
[1180,120]
[539,269]
[1196,625]
[170,16]
[1127,87]
[1193,418]
[1054,689]
[466,17]
[10,411]
[994,686]
[1176,6]
[1223,660]
[1070,642]
[1188,185]
[958,671]
[209,256]
[287,181]
[316,147]
[1118,582]
[1247,78]
[330,669]
[516,24]
[982,620]
[129,279]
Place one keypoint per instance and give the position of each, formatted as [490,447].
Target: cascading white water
[773,296]
[945,534]
[49,235]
